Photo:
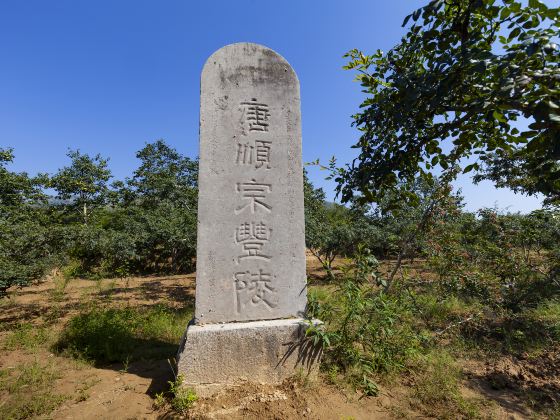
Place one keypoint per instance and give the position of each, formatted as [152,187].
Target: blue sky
[108,76]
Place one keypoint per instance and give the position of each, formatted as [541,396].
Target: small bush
[367,332]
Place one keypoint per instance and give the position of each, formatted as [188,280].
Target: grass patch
[438,312]
[529,331]
[58,293]
[29,391]
[106,335]
[436,390]
[27,337]
[545,319]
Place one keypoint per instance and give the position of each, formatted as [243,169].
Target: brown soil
[112,392]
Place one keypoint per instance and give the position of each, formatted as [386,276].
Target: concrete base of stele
[216,356]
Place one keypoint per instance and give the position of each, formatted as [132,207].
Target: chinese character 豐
[254,289]
[255,115]
[252,236]
[255,193]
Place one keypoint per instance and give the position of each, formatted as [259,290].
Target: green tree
[403,230]
[27,249]
[159,209]
[164,175]
[329,227]
[17,189]
[83,184]
[461,84]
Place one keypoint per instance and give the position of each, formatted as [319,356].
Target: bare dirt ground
[127,392]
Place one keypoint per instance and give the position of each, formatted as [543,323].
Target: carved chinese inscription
[252,237]
[257,154]
[254,116]
[255,193]
[254,289]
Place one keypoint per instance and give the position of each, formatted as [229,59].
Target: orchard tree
[474,83]
[26,245]
[330,228]
[159,205]
[17,189]
[164,174]
[83,184]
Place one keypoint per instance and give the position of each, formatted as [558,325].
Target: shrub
[367,332]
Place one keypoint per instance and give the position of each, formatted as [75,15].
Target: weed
[29,392]
[106,288]
[60,282]
[54,313]
[27,337]
[159,401]
[304,380]
[126,363]
[436,389]
[183,398]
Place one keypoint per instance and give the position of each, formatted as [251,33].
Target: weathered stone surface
[257,351]
[251,243]
[250,282]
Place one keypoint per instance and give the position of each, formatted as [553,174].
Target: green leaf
[406,19]
[470,167]
[513,34]
[499,116]
[506,11]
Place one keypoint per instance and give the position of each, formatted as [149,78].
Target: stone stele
[251,291]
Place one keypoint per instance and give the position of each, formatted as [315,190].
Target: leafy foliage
[83,184]
[27,245]
[331,229]
[460,85]
[368,332]
[146,224]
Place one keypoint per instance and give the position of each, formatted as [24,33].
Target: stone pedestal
[216,355]
[251,288]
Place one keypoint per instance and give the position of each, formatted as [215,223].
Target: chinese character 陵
[254,289]
[252,236]
[255,115]
[255,193]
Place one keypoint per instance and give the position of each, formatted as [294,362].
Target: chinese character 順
[259,154]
